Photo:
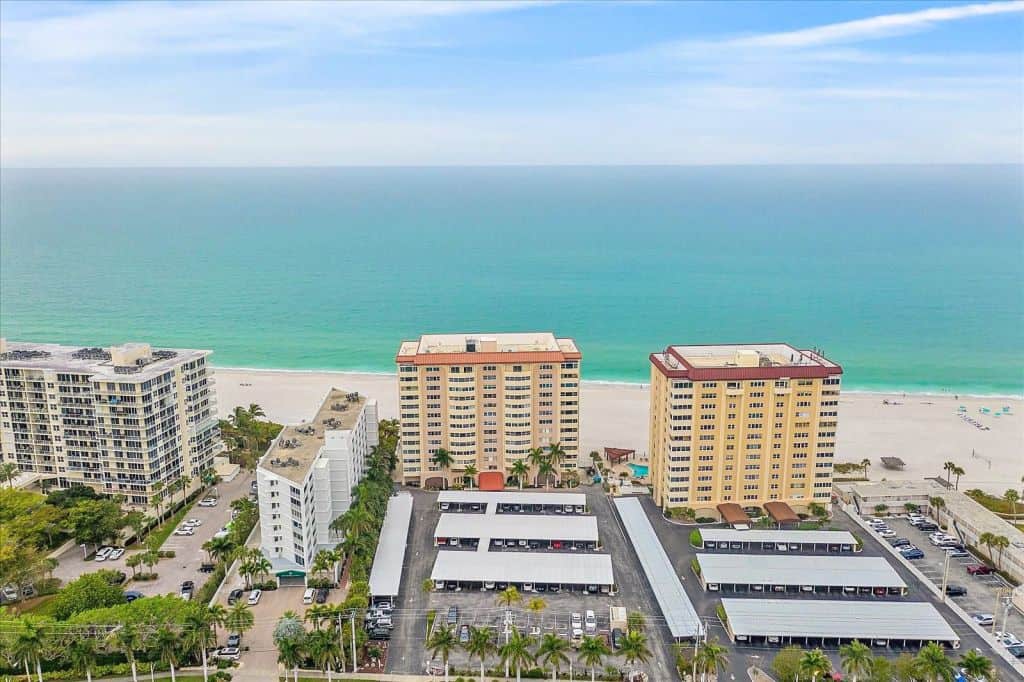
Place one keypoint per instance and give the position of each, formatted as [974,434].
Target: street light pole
[945,577]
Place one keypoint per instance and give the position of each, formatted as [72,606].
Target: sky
[462,83]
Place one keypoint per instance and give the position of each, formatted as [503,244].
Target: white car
[591,622]
[184,530]
[577,621]
[254,597]
[192,522]
[115,553]
[208,502]
[101,554]
[1007,638]
[887,533]
[228,653]
[983,619]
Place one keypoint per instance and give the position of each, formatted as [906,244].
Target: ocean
[908,276]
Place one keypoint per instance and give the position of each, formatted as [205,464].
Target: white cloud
[882,26]
[108,31]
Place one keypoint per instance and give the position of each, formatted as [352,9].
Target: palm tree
[556,455]
[156,498]
[636,621]
[536,605]
[592,653]
[256,411]
[198,635]
[443,642]
[948,468]
[520,470]
[516,652]
[30,641]
[444,460]
[856,658]
[219,548]
[547,470]
[536,458]
[552,651]
[634,647]
[81,653]
[712,659]
[239,618]
[469,473]
[1012,497]
[815,663]
[126,640]
[864,465]
[290,655]
[958,472]
[987,539]
[325,650]
[9,471]
[134,561]
[165,641]
[1000,542]
[933,664]
[480,645]
[324,561]
[217,614]
[509,596]
[936,503]
[977,666]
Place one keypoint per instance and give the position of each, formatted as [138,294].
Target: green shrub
[705,519]
[695,565]
[209,588]
[695,538]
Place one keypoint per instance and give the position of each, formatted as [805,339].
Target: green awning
[291,574]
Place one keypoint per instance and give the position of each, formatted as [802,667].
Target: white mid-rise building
[306,479]
[119,419]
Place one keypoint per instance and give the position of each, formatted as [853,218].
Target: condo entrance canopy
[781,512]
[676,607]
[733,514]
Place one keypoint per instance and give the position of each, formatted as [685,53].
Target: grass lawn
[39,606]
[164,530]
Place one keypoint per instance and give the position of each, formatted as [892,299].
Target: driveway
[188,549]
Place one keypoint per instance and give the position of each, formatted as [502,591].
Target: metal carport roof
[516,526]
[820,571]
[680,616]
[820,537]
[862,620]
[524,567]
[386,574]
[510,497]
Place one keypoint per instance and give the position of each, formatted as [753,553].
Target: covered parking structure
[529,572]
[680,616]
[781,622]
[386,573]
[776,541]
[799,574]
[570,533]
[482,501]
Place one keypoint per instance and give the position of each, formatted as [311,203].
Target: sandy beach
[923,430]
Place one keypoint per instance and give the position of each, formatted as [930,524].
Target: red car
[978,569]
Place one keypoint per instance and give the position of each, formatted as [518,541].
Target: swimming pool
[639,470]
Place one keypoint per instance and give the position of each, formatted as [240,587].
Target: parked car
[590,622]
[208,502]
[617,636]
[206,568]
[307,596]
[453,615]
[956,590]
[228,653]
[254,597]
[912,553]
[978,569]
[887,533]
[321,595]
[899,542]
[577,621]
[1007,639]
[234,596]
[115,553]
[102,553]
[379,633]
[192,522]
[184,530]
[1016,650]
[956,552]
[132,595]
[463,634]
[983,619]
[927,526]
[234,640]
[10,593]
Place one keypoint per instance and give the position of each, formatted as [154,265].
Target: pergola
[618,455]
[733,514]
[893,463]
[781,512]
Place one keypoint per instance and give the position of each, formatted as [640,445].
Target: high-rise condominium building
[119,419]
[305,480]
[488,399]
[745,424]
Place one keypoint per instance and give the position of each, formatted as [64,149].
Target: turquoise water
[908,276]
[639,470]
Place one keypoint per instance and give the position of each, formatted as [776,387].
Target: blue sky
[386,83]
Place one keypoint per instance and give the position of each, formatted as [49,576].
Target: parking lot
[480,608]
[985,593]
[187,549]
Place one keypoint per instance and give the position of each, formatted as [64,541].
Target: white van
[308,595]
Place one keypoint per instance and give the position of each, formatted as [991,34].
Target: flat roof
[96,362]
[497,348]
[804,536]
[524,567]
[516,526]
[386,574]
[511,497]
[861,620]
[680,616]
[775,569]
[747,355]
[296,447]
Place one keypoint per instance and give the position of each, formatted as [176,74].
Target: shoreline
[895,391]
[924,430]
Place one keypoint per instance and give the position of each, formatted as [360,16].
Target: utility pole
[945,577]
[353,622]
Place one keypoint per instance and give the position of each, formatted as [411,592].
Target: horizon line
[916,164]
